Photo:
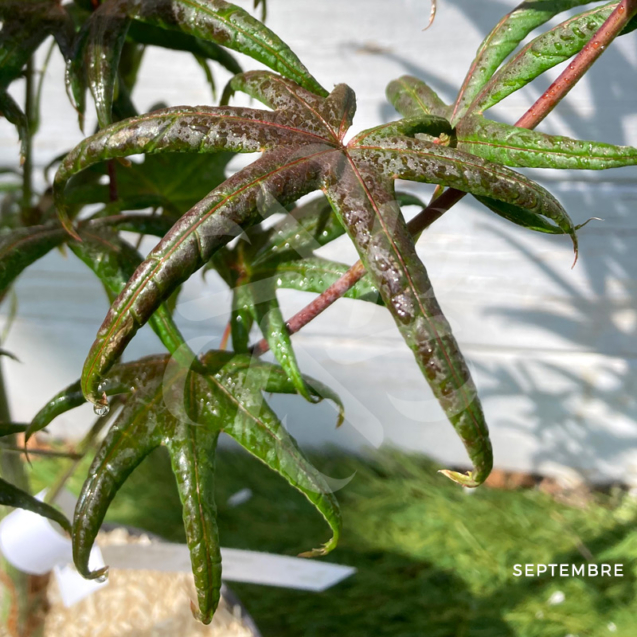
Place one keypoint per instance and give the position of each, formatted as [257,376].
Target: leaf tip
[463,479]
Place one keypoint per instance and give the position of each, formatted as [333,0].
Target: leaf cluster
[184,401]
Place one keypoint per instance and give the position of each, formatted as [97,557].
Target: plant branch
[27,166]
[611,28]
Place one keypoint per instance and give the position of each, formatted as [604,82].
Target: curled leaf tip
[66,223]
[464,479]
[100,574]
[432,14]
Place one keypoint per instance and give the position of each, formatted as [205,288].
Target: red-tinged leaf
[411,97]
[502,41]
[367,207]
[418,160]
[182,129]
[282,174]
[134,434]
[328,118]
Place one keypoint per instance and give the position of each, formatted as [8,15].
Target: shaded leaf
[11,496]
[14,115]
[123,379]
[133,435]
[23,246]
[9,429]
[4,352]
[148,34]
[114,261]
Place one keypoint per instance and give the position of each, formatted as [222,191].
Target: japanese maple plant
[183,399]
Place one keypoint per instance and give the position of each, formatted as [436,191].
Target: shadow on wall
[581,403]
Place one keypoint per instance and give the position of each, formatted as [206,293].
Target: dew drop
[101,579]
[101,410]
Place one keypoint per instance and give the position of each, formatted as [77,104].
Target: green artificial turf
[432,560]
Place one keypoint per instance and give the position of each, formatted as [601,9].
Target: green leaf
[268,316]
[512,146]
[304,230]
[123,379]
[114,261]
[241,318]
[367,207]
[14,115]
[9,429]
[411,97]
[11,496]
[191,243]
[502,41]
[105,36]
[250,421]
[133,435]
[315,274]
[431,126]
[417,160]
[543,53]
[192,453]
[24,246]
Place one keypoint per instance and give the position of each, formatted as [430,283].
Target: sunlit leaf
[502,41]
[367,207]
[412,97]
[512,146]
[543,53]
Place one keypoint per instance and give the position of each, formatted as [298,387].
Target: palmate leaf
[543,53]
[210,20]
[186,412]
[303,143]
[249,420]
[502,41]
[11,496]
[512,146]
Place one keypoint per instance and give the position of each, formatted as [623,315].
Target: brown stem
[611,28]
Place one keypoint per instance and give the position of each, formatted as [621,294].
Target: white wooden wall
[553,350]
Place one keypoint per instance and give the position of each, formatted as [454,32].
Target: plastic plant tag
[238,565]
[35,545]
[73,587]
[32,543]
